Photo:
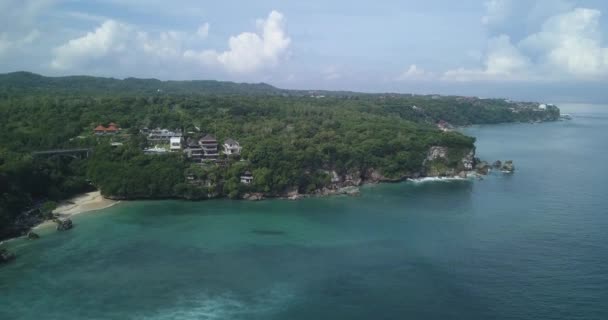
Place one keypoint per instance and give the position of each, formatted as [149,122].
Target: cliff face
[446,162]
[439,162]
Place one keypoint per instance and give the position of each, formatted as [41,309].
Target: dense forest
[292,140]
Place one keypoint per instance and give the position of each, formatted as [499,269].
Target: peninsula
[152,139]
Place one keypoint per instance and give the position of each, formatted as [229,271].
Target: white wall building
[232,147]
[175,144]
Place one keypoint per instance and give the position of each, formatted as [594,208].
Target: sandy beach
[80,204]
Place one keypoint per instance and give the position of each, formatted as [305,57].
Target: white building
[232,147]
[155,150]
[247,178]
[160,135]
[175,144]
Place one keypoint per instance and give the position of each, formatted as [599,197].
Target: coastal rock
[351,191]
[32,235]
[6,256]
[375,176]
[508,167]
[436,153]
[468,161]
[64,224]
[335,178]
[482,168]
[253,196]
[352,179]
[497,164]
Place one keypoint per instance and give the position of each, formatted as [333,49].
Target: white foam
[226,306]
[438,179]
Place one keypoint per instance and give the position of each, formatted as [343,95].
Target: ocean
[531,245]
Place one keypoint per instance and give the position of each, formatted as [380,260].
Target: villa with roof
[112,128]
[232,147]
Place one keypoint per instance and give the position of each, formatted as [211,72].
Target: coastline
[83,203]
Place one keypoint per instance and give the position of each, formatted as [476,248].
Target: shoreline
[83,203]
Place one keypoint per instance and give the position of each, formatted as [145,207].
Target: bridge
[74,153]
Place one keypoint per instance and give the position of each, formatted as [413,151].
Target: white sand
[80,204]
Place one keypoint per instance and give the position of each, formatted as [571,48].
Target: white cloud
[503,61]
[7,44]
[110,38]
[571,43]
[568,45]
[497,12]
[414,73]
[120,44]
[250,51]
[331,73]
[203,31]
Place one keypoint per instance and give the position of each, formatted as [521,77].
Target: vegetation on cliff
[290,139]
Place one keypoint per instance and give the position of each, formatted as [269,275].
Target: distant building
[444,126]
[210,147]
[232,147]
[161,135]
[112,128]
[155,150]
[247,178]
[193,150]
[175,144]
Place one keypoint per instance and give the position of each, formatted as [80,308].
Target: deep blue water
[533,245]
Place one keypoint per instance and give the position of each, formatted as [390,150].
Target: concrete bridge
[74,153]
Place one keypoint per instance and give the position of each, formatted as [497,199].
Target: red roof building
[111,129]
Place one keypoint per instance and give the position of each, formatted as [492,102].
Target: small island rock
[497,164]
[508,167]
[32,235]
[65,224]
[6,256]
[482,168]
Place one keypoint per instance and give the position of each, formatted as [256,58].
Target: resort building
[175,144]
[247,178]
[210,147]
[112,128]
[156,150]
[232,147]
[162,135]
[193,150]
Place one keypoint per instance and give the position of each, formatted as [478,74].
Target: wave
[438,179]
[227,306]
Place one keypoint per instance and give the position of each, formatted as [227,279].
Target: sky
[549,50]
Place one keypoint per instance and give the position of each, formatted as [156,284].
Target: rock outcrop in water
[6,256]
[483,168]
[64,224]
[32,235]
[508,167]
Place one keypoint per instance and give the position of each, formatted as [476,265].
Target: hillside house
[193,150]
[247,178]
[210,147]
[175,144]
[232,147]
[156,150]
[162,135]
[112,128]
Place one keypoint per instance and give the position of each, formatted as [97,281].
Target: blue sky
[554,50]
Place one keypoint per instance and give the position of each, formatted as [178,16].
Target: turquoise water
[533,245]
